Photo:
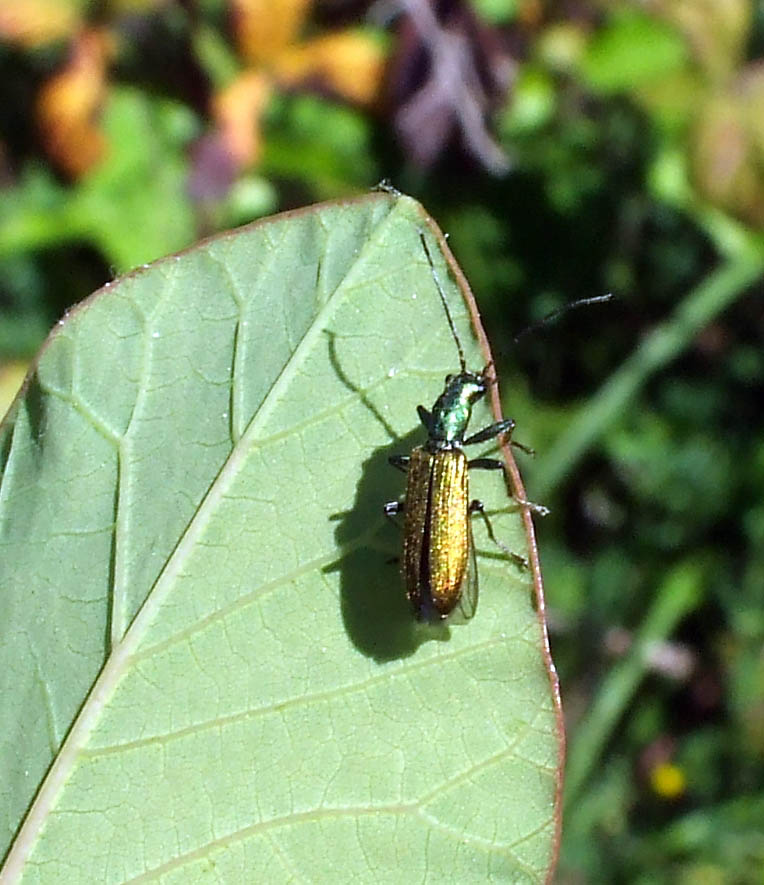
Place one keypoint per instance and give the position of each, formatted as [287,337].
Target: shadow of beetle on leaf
[375,610]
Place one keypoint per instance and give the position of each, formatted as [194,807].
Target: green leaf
[133,206]
[631,51]
[324,144]
[209,669]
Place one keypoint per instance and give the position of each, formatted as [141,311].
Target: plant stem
[663,344]
[677,595]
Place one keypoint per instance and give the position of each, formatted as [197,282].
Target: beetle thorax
[452,409]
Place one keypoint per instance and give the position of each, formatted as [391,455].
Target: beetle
[438,564]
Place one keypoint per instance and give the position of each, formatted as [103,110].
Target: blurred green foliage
[635,149]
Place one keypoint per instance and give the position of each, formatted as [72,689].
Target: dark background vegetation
[569,149]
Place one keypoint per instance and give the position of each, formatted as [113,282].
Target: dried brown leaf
[69,102]
[348,63]
[237,111]
[262,28]
[33,23]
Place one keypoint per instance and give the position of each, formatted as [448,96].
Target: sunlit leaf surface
[208,668]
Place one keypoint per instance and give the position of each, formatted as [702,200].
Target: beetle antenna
[442,294]
[561,311]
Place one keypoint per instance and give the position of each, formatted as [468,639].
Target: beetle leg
[493,464]
[486,464]
[538,509]
[478,507]
[527,449]
[399,461]
[426,418]
[391,510]
[505,426]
